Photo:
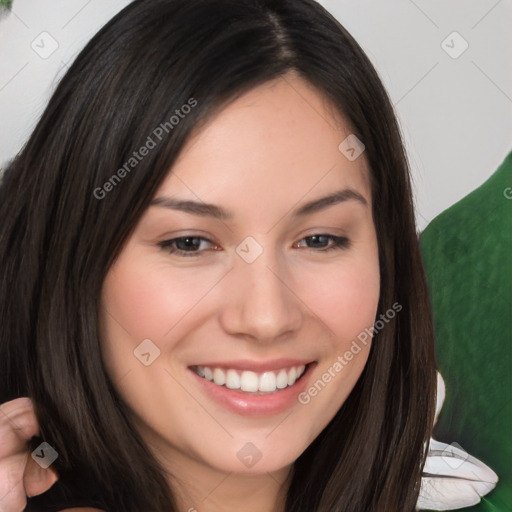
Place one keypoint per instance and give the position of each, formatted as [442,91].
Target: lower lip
[249,404]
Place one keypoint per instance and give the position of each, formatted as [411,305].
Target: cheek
[147,302]
[346,301]
[137,304]
[348,306]
[346,297]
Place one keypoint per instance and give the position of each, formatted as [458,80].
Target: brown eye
[184,245]
[319,241]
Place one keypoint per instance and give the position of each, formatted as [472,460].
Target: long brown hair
[57,242]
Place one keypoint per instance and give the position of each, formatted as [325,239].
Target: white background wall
[455,113]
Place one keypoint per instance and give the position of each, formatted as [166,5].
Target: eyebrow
[211,210]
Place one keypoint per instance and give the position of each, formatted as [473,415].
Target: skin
[261,157]
[20,475]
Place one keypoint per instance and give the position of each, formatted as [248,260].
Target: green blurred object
[467,251]
[5,4]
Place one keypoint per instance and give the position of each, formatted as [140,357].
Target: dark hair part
[57,243]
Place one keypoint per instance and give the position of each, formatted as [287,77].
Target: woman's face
[253,293]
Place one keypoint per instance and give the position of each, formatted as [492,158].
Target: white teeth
[219,377]
[251,382]
[268,382]
[292,376]
[282,379]
[232,380]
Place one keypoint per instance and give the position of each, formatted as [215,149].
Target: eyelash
[339,243]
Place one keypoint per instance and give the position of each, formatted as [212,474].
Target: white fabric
[452,479]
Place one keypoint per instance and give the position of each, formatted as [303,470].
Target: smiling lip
[251,404]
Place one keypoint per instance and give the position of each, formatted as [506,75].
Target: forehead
[278,142]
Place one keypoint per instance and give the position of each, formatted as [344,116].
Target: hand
[20,475]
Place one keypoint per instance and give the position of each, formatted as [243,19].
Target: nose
[262,305]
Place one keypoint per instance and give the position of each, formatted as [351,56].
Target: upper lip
[257,366]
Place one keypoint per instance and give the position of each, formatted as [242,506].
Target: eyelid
[164,244]
[338,242]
